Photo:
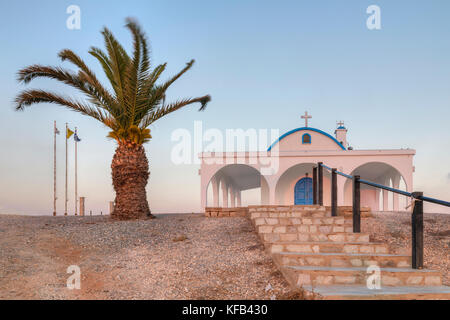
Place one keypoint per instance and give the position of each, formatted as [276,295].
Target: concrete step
[361,292]
[327,247]
[314,211]
[301,221]
[290,214]
[319,228]
[315,237]
[346,260]
[321,254]
[323,276]
[282,208]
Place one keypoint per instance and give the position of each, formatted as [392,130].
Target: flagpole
[76,176]
[54,169]
[65,202]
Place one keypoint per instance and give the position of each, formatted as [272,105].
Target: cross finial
[306,117]
[340,123]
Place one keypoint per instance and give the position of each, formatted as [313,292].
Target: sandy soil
[171,257]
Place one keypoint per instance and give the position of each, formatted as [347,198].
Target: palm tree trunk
[130,176]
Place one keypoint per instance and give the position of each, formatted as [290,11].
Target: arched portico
[381,173]
[292,157]
[228,183]
[285,186]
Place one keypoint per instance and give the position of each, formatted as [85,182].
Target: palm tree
[135,102]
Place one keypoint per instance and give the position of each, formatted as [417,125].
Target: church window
[306,139]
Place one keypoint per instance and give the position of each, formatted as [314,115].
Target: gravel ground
[395,228]
[171,257]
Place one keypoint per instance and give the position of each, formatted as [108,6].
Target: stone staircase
[321,254]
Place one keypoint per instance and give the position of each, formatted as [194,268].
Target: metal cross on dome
[340,123]
[306,117]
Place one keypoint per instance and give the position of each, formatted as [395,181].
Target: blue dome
[342,127]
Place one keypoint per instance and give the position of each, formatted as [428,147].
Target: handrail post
[333,192]
[320,168]
[314,185]
[417,231]
[356,204]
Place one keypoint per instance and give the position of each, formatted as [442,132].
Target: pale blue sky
[263,62]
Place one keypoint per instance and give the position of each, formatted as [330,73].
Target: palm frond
[168,83]
[118,59]
[136,100]
[29,97]
[88,76]
[142,64]
[103,59]
[156,93]
[68,77]
[148,90]
[132,76]
[171,107]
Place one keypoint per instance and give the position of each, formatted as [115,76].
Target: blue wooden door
[303,191]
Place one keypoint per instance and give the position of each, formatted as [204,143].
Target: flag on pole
[56,131]
[69,133]
[75,137]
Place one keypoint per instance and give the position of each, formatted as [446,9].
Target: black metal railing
[417,198]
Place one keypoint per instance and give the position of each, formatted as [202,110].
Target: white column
[215,189]
[409,188]
[396,185]
[203,191]
[238,198]
[271,184]
[264,192]
[232,197]
[224,194]
[272,198]
[341,190]
[377,199]
[385,200]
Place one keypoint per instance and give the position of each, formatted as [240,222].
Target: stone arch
[378,172]
[235,178]
[284,187]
